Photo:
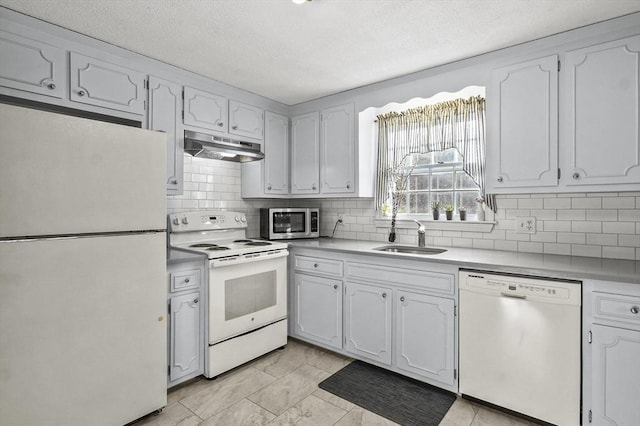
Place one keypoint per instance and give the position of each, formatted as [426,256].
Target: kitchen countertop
[545,265]
[176,255]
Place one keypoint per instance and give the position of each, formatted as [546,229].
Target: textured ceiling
[293,53]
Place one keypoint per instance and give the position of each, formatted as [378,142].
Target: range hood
[220,148]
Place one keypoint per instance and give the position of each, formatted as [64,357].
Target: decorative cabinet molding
[165,114]
[523,124]
[185,353]
[337,153]
[103,84]
[611,353]
[602,112]
[205,110]
[305,154]
[276,152]
[32,66]
[318,309]
[368,319]
[245,120]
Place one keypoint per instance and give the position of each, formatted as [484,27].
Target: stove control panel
[206,221]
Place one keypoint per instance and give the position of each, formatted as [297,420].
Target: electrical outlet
[526,225]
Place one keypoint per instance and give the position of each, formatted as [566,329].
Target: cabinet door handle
[313,186]
[500,179]
[635,310]
[173,181]
[576,175]
[186,280]
[269,187]
[234,127]
[402,298]
[335,286]
[196,300]
[81,93]
[348,186]
[220,124]
[51,86]
[384,295]
[315,265]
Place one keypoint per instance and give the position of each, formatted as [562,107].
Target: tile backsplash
[603,225]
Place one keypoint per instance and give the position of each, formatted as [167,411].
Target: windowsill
[443,225]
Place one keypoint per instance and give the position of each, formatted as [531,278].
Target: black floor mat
[390,395]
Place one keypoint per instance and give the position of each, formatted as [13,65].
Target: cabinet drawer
[185,279]
[319,265]
[616,307]
[435,281]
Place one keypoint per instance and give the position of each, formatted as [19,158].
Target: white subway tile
[442,241]
[514,236]
[618,253]
[555,226]
[586,203]
[625,240]
[629,215]
[583,250]
[618,227]
[530,203]
[555,248]
[602,239]
[482,244]
[579,226]
[462,242]
[506,245]
[530,247]
[557,203]
[545,237]
[618,203]
[571,237]
[600,215]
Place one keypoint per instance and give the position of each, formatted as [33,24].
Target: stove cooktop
[214,249]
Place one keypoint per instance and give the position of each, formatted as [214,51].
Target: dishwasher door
[520,344]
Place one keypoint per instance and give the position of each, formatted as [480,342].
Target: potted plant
[448,210]
[463,212]
[435,208]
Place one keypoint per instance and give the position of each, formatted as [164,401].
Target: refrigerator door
[83,337]
[63,175]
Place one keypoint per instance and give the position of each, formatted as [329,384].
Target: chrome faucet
[421,234]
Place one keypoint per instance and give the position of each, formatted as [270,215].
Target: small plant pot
[449,215]
[463,215]
[436,215]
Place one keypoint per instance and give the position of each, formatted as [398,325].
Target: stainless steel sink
[411,250]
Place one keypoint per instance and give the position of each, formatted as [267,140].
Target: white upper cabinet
[103,84]
[165,114]
[276,151]
[205,110]
[245,120]
[337,153]
[305,153]
[601,109]
[523,125]
[32,66]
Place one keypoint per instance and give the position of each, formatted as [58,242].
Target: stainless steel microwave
[289,223]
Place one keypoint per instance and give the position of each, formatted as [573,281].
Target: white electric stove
[247,302]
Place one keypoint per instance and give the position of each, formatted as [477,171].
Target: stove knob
[243,219]
[185,220]
[176,221]
[237,219]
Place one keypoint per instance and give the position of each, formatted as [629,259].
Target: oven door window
[249,294]
[287,223]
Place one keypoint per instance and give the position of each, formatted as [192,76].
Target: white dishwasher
[520,344]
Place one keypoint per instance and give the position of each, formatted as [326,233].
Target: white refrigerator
[82,270]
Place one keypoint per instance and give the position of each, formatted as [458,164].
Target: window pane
[422,159]
[419,182]
[464,181]
[442,180]
[447,156]
[418,202]
[468,200]
[444,198]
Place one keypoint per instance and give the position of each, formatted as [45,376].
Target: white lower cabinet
[424,330]
[368,318]
[611,351]
[397,314]
[186,325]
[318,309]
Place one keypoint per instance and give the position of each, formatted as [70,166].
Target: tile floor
[281,388]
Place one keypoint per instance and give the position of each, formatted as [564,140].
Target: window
[438,176]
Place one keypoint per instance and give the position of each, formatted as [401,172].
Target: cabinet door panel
[245,120]
[165,114]
[616,376]
[103,84]
[205,110]
[602,113]
[32,66]
[318,309]
[368,321]
[523,125]
[337,159]
[305,151]
[425,340]
[185,335]
[276,152]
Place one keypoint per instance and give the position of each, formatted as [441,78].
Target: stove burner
[242,241]
[257,243]
[217,248]
[203,245]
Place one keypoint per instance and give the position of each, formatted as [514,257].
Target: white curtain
[456,124]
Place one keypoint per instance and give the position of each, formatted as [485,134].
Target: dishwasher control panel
[551,290]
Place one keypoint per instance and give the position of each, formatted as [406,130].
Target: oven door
[246,296]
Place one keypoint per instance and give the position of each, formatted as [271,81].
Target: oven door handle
[246,258]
